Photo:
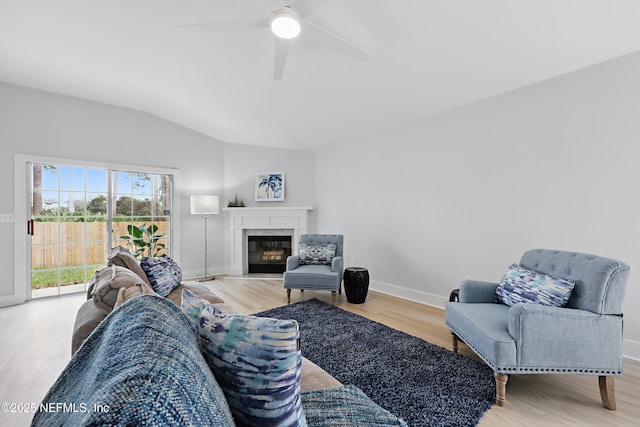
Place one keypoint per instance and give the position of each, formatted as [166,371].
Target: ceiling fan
[286,24]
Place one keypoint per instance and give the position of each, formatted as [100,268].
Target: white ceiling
[426,56]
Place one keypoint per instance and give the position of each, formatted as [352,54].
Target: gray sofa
[141,363]
[583,337]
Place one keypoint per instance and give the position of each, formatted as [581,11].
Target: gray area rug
[422,383]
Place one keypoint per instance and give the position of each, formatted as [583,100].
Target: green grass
[48,278]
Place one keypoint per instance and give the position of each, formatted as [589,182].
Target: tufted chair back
[599,281]
[324,239]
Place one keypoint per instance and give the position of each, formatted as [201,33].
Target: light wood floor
[35,342]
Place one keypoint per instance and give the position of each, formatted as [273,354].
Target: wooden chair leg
[606,392]
[288,296]
[455,342]
[501,388]
[333,297]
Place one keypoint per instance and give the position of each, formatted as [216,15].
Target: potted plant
[144,240]
[237,202]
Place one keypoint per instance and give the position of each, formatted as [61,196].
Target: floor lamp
[205,206]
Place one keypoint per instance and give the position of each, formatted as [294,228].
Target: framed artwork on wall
[270,187]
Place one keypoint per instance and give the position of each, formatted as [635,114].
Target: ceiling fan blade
[234,24]
[327,38]
[306,8]
[280,59]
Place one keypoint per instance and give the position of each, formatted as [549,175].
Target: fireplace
[264,222]
[268,254]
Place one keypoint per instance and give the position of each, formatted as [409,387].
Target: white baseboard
[631,349]
[410,294]
[8,300]
[211,271]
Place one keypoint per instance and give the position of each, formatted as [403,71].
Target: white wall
[242,162]
[38,123]
[553,165]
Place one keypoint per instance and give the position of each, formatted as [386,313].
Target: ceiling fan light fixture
[285,24]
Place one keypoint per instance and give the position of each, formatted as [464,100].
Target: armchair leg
[455,342]
[333,297]
[501,388]
[606,392]
[288,296]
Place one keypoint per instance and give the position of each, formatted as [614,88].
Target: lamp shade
[204,204]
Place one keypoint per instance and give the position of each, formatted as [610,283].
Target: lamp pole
[206,217]
[205,206]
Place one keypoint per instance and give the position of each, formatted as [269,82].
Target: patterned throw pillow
[257,362]
[316,253]
[192,305]
[164,274]
[521,285]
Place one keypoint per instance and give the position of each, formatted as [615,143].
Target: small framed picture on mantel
[270,187]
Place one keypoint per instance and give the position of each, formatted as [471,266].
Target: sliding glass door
[78,213]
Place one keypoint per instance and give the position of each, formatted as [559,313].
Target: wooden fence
[76,243]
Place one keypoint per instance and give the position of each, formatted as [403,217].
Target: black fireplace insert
[268,254]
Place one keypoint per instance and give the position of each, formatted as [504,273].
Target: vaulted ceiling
[425,57]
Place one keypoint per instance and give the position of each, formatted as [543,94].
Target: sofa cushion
[144,367]
[520,285]
[313,377]
[107,282]
[316,253]
[486,320]
[257,362]
[87,319]
[123,258]
[164,273]
[346,406]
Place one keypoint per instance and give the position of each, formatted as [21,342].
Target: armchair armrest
[476,291]
[293,261]
[337,264]
[577,338]
[565,322]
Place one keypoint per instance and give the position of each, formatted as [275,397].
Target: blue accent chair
[316,277]
[584,337]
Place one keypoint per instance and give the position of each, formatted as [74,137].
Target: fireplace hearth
[268,254]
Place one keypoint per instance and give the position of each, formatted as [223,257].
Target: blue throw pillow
[163,273]
[257,362]
[315,254]
[192,305]
[523,286]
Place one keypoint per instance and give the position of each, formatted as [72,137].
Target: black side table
[356,284]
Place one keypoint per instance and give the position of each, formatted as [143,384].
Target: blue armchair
[320,273]
[583,337]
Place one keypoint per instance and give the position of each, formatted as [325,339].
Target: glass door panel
[69,223]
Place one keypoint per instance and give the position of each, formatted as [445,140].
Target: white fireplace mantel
[262,218]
